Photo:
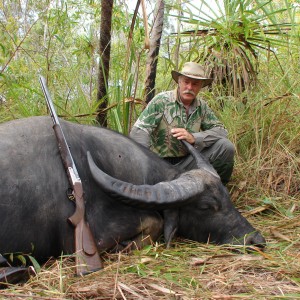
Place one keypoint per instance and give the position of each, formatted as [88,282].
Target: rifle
[87,258]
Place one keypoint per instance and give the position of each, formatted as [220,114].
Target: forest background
[252,51]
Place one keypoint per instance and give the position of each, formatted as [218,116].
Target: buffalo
[133,197]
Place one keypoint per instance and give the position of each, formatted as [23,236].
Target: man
[178,115]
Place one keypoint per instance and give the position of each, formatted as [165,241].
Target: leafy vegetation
[258,43]
[235,38]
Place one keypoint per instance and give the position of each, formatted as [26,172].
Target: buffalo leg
[133,235]
[149,232]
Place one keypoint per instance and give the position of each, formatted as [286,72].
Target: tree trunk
[104,51]
[151,64]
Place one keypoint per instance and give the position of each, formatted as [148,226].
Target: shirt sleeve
[140,136]
[209,119]
[208,137]
[212,129]
[151,116]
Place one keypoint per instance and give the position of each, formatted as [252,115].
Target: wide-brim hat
[193,70]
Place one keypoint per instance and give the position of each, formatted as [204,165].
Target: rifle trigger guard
[70,195]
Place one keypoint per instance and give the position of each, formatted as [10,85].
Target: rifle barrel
[49,100]
[56,122]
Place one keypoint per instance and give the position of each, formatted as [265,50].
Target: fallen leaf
[279,235]
[130,290]
[257,210]
[162,289]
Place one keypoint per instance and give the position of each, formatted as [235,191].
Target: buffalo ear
[171,217]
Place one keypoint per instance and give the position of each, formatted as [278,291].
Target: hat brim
[176,74]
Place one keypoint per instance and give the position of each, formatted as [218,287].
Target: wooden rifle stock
[86,257]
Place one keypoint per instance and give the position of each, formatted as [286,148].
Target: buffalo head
[195,204]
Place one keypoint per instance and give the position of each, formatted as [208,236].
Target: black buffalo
[131,194]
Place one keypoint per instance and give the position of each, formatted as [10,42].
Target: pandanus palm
[229,39]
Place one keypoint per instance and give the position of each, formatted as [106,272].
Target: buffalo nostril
[255,239]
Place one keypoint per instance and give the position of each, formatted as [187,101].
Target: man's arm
[208,137]
[200,140]
[212,129]
[148,120]
[140,136]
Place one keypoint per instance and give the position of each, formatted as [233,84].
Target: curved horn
[201,161]
[161,195]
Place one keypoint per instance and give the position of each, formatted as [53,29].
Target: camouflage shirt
[165,112]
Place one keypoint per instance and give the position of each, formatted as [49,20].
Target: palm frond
[230,39]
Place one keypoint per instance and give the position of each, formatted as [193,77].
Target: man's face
[188,88]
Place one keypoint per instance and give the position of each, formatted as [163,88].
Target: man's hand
[183,134]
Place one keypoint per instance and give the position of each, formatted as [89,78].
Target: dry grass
[188,270]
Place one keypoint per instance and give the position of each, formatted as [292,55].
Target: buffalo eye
[209,205]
